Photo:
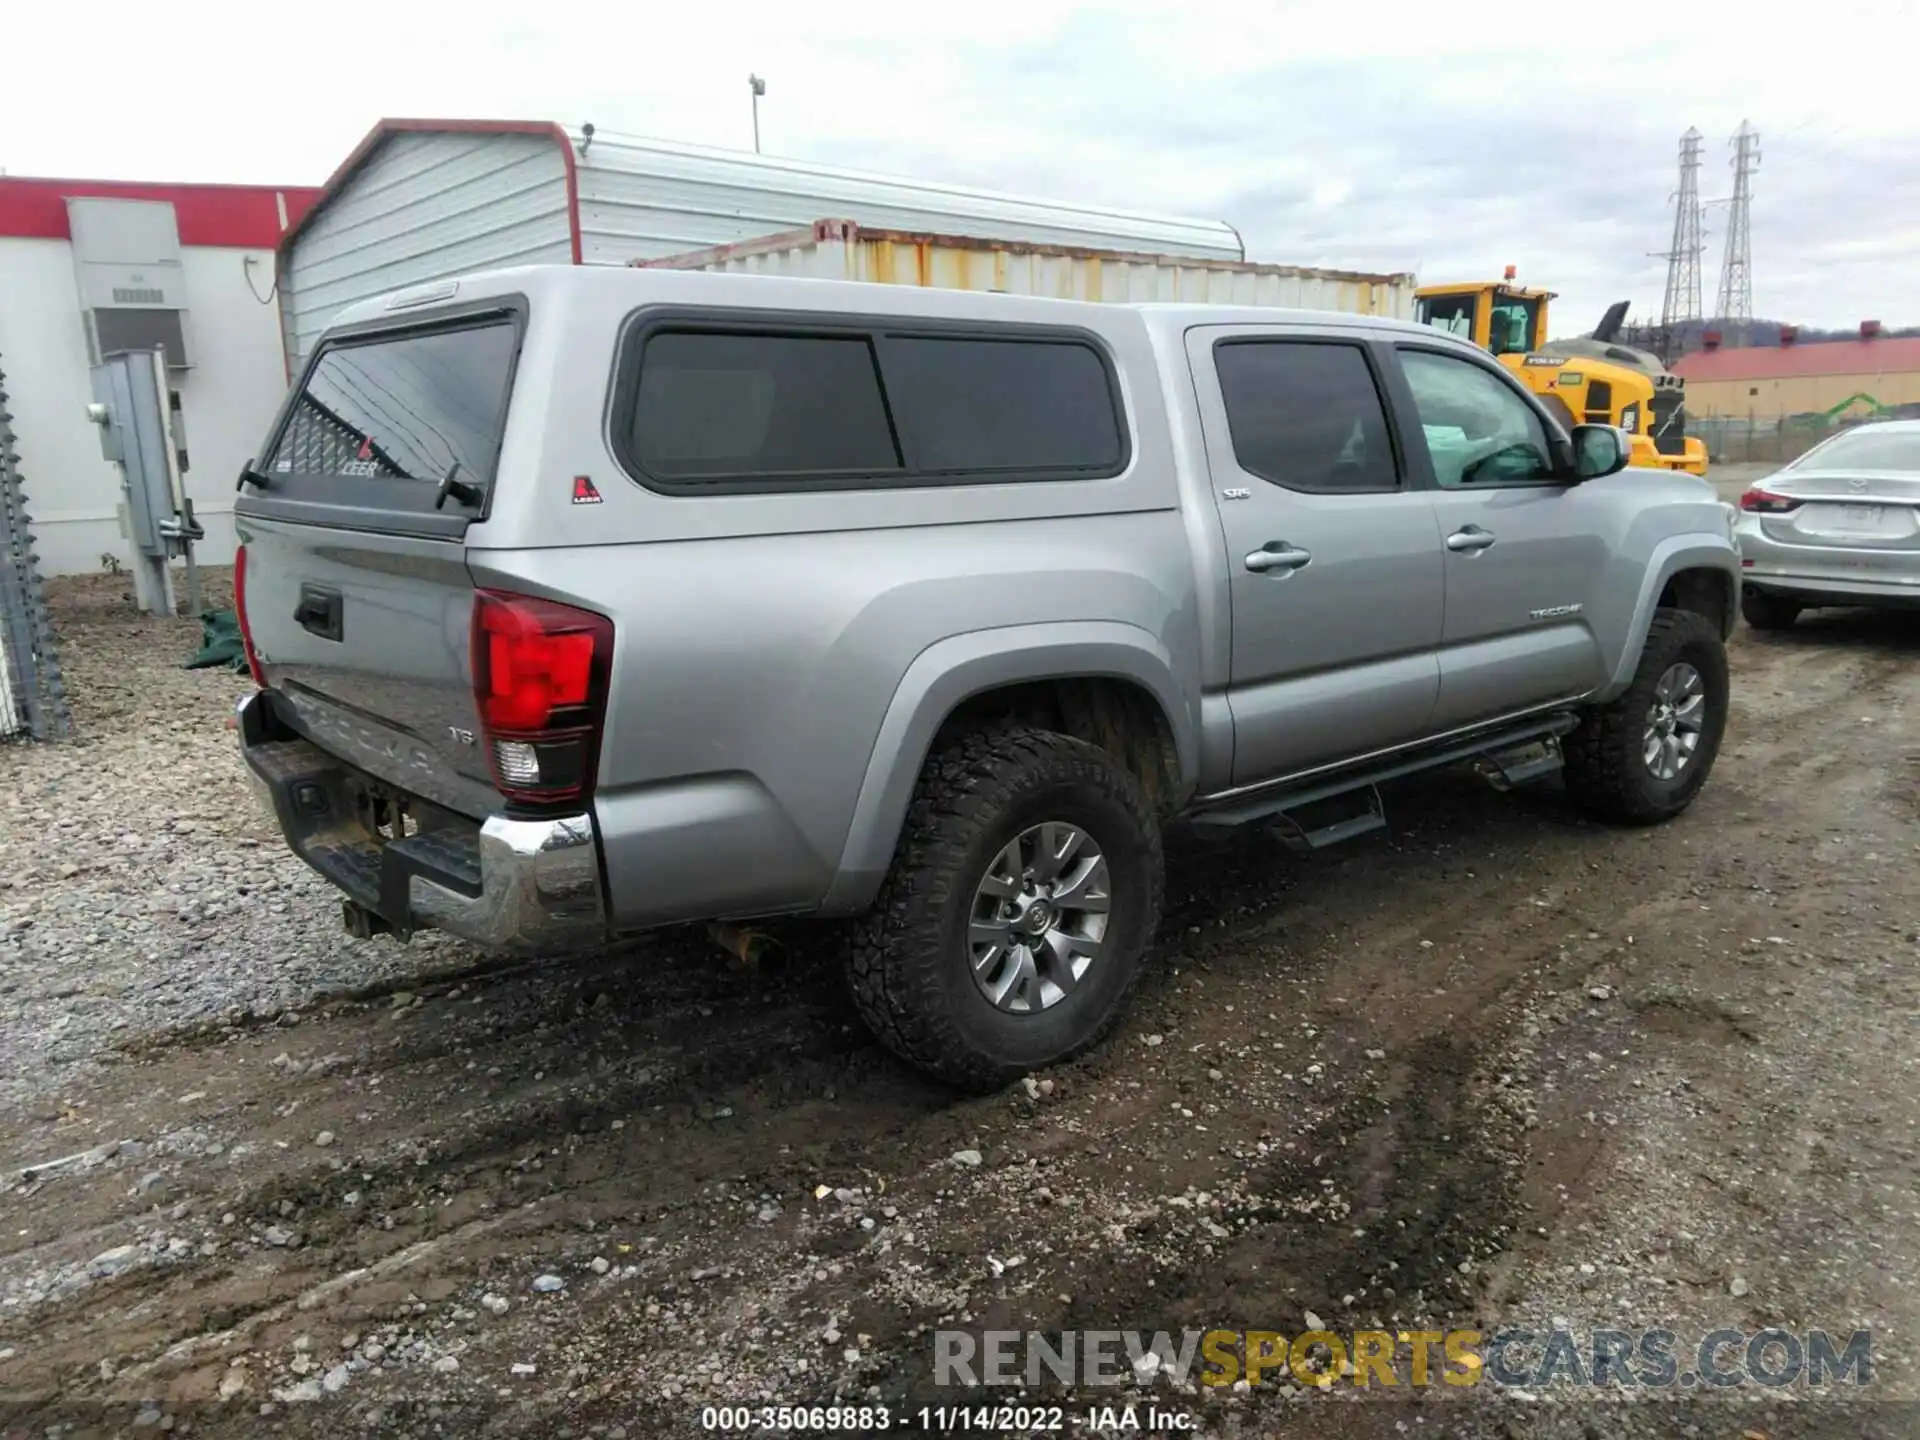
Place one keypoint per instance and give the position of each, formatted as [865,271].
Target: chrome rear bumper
[521,885]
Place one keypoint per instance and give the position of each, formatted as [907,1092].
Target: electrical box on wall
[133,288]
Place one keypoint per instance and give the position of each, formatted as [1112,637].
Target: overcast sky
[1450,141]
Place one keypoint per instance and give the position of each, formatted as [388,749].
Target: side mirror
[1599,450]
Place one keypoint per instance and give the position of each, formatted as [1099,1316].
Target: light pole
[759,88]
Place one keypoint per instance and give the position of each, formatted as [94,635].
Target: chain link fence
[32,701]
[1780,438]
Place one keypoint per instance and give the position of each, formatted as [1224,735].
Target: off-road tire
[1606,770]
[907,962]
[1768,612]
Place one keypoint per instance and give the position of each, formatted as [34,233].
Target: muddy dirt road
[1501,1064]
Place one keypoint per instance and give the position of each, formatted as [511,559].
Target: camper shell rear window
[399,421]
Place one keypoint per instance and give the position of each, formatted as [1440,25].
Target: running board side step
[1320,823]
[1505,769]
[1313,817]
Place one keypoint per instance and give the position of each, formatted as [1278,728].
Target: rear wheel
[1643,757]
[1012,929]
[1768,612]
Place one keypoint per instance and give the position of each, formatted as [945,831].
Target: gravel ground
[142,890]
[1500,1066]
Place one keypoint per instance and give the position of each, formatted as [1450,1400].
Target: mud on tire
[1607,770]
[909,963]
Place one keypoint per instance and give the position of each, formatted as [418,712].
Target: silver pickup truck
[585,601]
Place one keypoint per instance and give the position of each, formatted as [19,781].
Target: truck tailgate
[365,639]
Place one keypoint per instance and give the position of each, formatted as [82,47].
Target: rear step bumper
[507,884]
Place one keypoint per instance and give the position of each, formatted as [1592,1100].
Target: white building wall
[228,398]
[425,207]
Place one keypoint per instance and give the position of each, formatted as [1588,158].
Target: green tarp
[219,642]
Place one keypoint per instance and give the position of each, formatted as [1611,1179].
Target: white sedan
[1838,526]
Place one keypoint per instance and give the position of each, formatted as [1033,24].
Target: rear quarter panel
[764,643]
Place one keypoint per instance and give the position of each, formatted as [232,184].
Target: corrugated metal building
[1801,379]
[69,252]
[422,200]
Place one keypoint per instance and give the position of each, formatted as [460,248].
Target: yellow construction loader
[1596,379]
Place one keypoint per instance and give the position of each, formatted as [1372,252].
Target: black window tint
[1306,416]
[727,404]
[402,407]
[975,405]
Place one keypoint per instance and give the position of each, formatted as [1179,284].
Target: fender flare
[1697,550]
[950,672]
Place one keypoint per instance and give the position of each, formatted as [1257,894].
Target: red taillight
[240,611]
[538,659]
[1765,502]
[540,684]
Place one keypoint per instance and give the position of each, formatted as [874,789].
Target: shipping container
[843,250]
[425,200]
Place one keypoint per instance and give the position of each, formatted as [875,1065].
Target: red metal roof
[239,216]
[1788,362]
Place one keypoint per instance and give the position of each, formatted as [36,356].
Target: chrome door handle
[1278,555]
[1470,539]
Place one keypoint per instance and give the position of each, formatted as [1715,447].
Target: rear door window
[1306,415]
[385,419]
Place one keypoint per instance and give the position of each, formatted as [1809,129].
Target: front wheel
[1644,756]
[1013,926]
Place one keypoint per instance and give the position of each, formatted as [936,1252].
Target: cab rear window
[411,407]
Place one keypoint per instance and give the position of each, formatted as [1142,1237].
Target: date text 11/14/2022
[944,1419]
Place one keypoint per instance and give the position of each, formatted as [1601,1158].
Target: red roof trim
[374,137]
[236,216]
[1899,355]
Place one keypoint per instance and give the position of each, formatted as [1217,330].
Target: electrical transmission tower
[1683,256]
[1736,269]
